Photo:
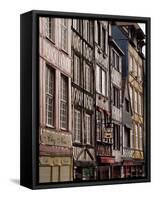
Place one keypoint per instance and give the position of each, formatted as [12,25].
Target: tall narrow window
[101,80]
[139,73]
[77,70]
[116,97]
[101,36]
[50,79]
[88,128]
[127,105]
[77,125]
[99,33]
[51,28]
[64,103]
[79,25]
[116,137]
[64,34]
[132,139]
[99,125]
[115,60]
[88,31]
[130,63]
[127,137]
[131,96]
[135,68]
[135,101]
[141,137]
[136,136]
[87,77]
[139,104]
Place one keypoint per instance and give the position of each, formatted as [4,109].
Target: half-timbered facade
[116,104]
[126,131]
[83,100]
[130,38]
[55,157]
[103,129]
[90,100]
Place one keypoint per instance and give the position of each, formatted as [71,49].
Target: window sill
[63,129]
[49,126]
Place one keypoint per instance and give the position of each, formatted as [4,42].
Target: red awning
[107,159]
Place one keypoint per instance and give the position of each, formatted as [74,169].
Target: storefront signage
[108,132]
[56,139]
[46,160]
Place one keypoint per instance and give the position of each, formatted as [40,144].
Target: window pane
[51,26]
[139,104]
[88,77]
[103,82]
[135,100]
[50,95]
[130,63]
[64,34]
[98,78]
[131,95]
[77,68]
[99,125]
[136,136]
[77,126]
[64,103]
[88,128]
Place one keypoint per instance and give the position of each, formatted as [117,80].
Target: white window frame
[101,83]
[101,32]
[131,96]
[130,63]
[139,104]
[99,125]
[50,94]
[77,125]
[141,138]
[88,128]
[88,77]
[135,67]
[64,34]
[136,136]
[77,25]
[116,60]
[51,28]
[64,103]
[77,70]
[135,101]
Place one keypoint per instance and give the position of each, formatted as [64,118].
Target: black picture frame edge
[29,91]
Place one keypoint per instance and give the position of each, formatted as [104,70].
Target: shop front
[133,169]
[55,157]
[84,170]
[55,169]
[104,168]
[116,171]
